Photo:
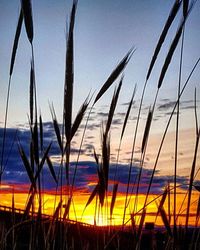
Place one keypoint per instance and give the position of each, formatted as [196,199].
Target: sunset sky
[104,32]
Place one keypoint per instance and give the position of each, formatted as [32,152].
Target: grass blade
[173,48]
[163,35]
[170,54]
[185,7]
[105,158]
[192,178]
[141,224]
[96,158]
[16,41]
[102,185]
[133,223]
[164,196]
[147,129]
[127,113]
[49,163]
[69,75]
[56,128]
[35,143]
[31,92]
[67,208]
[197,187]
[92,195]
[31,150]
[79,117]
[195,111]
[165,221]
[28,18]
[169,201]
[52,228]
[57,211]
[68,89]
[26,165]
[41,133]
[28,206]
[113,76]
[13,220]
[198,210]
[114,195]
[44,158]
[112,107]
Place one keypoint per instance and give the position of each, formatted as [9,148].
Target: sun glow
[95,214]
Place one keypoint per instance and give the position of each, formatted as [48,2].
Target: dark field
[44,233]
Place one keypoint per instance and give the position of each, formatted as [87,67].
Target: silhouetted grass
[58,231]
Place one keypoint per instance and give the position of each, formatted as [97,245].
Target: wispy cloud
[166,105]
[169,104]
[86,177]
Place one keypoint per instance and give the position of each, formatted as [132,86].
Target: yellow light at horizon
[102,217]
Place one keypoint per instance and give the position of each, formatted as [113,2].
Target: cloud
[102,114]
[93,126]
[86,174]
[188,107]
[121,114]
[166,105]
[117,121]
[164,99]
[125,103]
[185,104]
[89,137]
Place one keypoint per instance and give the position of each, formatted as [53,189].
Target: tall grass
[57,232]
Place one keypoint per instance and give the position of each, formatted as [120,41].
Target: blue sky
[104,32]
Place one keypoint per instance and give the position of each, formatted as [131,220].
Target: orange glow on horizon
[80,198]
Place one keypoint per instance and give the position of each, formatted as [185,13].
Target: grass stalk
[177,134]
[192,179]
[166,129]
[14,51]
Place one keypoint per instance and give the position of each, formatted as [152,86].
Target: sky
[104,33]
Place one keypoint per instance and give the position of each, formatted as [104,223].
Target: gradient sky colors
[104,32]
[80,198]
